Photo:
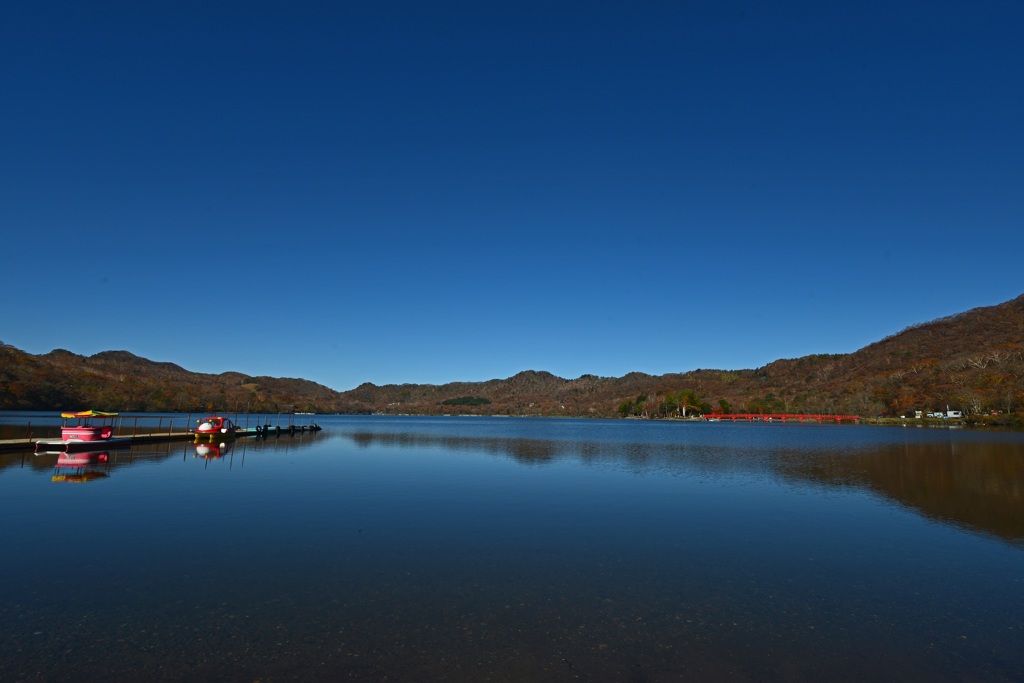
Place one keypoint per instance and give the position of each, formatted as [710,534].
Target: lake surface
[489,549]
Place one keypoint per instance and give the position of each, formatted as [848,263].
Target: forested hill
[122,381]
[973,361]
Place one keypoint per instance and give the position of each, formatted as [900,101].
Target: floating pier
[120,441]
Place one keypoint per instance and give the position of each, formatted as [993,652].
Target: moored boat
[215,427]
[88,425]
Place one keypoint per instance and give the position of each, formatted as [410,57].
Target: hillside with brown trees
[973,362]
[121,381]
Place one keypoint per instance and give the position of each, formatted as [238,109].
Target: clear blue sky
[426,192]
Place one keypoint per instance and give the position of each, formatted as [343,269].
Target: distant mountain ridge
[973,361]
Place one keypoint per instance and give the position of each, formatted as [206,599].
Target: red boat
[215,427]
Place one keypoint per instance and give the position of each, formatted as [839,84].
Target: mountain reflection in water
[977,486]
[389,548]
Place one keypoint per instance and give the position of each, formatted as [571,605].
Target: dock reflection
[137,454]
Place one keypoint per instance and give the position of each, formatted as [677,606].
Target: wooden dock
[50,444]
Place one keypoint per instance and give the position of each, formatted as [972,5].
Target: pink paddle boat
[85,427]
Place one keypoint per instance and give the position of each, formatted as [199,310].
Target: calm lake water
[478,549]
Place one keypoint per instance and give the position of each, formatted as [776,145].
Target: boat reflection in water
[213,451]
[81,467]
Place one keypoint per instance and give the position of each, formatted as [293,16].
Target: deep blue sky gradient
[439,191]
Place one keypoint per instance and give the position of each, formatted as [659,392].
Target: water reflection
[533,451]
[522,449]
[976,485]
[81,467]
[213,451]
[151,453]
[83,459]
[510,550]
